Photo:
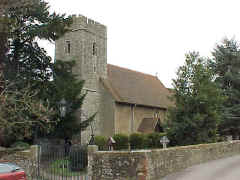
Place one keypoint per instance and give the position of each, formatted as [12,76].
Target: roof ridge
[134,71]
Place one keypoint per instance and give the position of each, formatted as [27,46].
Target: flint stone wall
[26,159]
[154,164]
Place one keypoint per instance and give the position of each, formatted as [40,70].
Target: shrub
[153,140]
[78,158]
[101,142]
[122,141]
[6,139]
[220,138]
[137,141]
[20,145]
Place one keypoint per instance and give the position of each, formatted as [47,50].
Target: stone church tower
[87,45]
[126,101]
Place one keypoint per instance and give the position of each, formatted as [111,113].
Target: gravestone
[164,141]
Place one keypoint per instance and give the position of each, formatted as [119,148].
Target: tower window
[94,66]
[68,47]
[94,49]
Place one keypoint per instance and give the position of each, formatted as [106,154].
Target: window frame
[94,49]
[67,46]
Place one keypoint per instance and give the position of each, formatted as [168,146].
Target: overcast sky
[152,36]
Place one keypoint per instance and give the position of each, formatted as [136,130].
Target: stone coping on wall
[23,153]
[156,163]
[124,151]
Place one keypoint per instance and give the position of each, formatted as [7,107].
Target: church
[126,101]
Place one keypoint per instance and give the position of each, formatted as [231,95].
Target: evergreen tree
[4,7]
[196,114]
[66,85]
[226,65]
[25,60]
[27,65]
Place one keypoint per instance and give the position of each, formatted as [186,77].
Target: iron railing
[55,163]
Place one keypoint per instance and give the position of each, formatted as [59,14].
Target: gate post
[34,161]
[92,149]
[35,152]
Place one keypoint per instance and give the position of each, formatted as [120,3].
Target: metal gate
[56,162]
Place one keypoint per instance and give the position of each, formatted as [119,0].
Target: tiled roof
[128,86]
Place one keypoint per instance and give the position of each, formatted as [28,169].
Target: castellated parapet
[81,22]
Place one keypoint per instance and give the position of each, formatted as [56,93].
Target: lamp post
[63,107]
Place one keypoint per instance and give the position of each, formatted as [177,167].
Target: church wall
[90,107]
[125,112]
[123,117]
[111,117]
[106,113]
[84,33]
[60,46]
[89,66]
[146,112]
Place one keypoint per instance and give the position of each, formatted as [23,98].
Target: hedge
[122,141]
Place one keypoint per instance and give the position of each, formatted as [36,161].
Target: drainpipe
[132,120]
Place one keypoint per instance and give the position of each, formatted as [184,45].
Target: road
[222,169]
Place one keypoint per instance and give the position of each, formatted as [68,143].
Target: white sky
[152,36]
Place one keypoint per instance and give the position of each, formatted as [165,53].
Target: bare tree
[21,111]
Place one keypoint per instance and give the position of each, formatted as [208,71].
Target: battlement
[82,22]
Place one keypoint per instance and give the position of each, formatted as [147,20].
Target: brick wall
[154,164]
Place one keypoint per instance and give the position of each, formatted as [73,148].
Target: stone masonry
[116,94]
[157,163]
[87,45]
[26,159]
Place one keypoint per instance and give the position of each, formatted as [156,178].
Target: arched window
[94,49]
[94,68]
[68,47]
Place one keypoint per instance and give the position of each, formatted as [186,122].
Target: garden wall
[26,159]
[154,164]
